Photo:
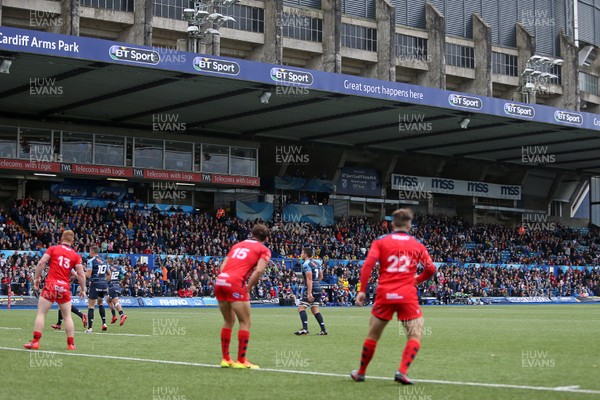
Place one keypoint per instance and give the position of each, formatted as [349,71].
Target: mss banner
[359,182]
[455,187]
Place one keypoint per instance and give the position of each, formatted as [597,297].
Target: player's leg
[414,331]
[242,312]
[91,305]
[228,322]
[65,308]
[81,315]
[58,324]
[315,311]
[38,326]
[379,319]
[116,305]
[113,311]
[303,317]
[101,309]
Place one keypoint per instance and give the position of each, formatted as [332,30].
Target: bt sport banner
[85,48]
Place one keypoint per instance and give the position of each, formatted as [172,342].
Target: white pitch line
[106,333]
[8,328]
[563,389]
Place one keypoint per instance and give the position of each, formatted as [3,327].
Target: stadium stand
[31,225]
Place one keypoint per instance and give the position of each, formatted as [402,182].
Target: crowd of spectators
[34,224]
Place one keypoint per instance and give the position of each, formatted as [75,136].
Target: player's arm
[38,270]
[428,267]
[258,270]
[309,285]
[223,264]
[80,279]
[365,273]
[108,274]
[88,271]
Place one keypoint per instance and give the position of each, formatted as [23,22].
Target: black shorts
[114,293]
[315,303]
[97,291]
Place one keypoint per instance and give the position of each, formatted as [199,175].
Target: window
[588,83]
[148,153]
[77,147]
[504,64]
[359,37]
[411,47]
[300,27]
[8,142]
[178,156]
[170,8]
[215,159]
[116,5]
[35,144]
[243,161]
[109,150]
[251,19]
[460,56]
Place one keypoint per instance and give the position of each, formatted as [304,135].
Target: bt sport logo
[284,75]
[519,110]
[568,117]
[225,67]
[131,54]
[459,100]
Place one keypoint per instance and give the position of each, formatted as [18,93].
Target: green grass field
[540,347]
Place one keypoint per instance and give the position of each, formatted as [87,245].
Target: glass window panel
[243,161]
[148,153]
[77,147]
[109,150]
[8,142]
[178,156]
[215,158]
[35,145]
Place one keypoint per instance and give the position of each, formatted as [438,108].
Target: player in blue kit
[312,272]
[114,291]
[97,268]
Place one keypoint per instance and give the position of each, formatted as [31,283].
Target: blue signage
[359,182]
[51,44]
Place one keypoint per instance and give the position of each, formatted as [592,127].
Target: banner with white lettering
[455,187]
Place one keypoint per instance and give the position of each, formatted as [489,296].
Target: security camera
[215,16]
[189,14]
[464,123]
[211,31]
[265,97]
[558,61]
[529,86]
[192,29]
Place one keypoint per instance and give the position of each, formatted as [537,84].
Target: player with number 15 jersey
[233,293]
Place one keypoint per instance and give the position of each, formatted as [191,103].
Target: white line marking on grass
[112,334]
[569,389]
[8,328]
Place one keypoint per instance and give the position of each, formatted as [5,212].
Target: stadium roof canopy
[122,85]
